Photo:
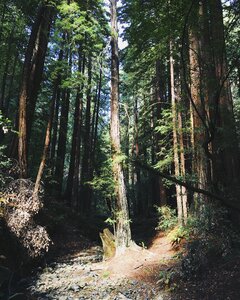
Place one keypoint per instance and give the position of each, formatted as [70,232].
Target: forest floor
[74,268]
[83,275]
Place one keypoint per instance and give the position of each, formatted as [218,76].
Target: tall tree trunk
[175,139]
[224,144]
[198,108]
[75,135]
[46,144]
[138,197]
[96,113]
[86,163]
[160,99]
[31,79]
[63,127]
[182,167]
[54,133]
[6,71]
[95,120]
[123,232]
[62,140]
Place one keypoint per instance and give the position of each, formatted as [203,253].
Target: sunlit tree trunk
[175,139]
[54,133]
[159,98]
[123,232]
[182,167]
[86,162]
[200,167]
[139,209]
[46,144]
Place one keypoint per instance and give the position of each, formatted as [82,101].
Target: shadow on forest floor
[74,268]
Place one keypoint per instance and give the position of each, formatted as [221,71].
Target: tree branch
[188,186]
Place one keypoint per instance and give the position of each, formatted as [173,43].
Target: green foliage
[211,236]
[178,234]
[167,278]
[167,218]
[6,124]
[104,182]
[5,162]
[110,221]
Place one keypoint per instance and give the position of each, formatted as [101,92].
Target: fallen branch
[186,184]
[138,267]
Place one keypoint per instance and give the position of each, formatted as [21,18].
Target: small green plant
[167,218]
[178,234]
[167,279]
[106,274]
[142,244]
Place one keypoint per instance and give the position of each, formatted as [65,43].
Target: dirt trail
[80,273]
[143,264]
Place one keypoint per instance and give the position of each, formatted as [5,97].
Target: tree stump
[108,241]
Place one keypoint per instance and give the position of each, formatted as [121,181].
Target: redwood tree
[31,79]
[123,232]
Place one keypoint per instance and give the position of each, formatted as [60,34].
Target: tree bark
[62,140]
[74,166]
[175,140]
[46,144]
[224,143]
[31,79]
[54,133]
[86,163]
[200,166]
[160,88]
[123,232]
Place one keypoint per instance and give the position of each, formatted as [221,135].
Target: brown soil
[140,263]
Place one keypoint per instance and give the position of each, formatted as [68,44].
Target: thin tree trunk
[96,112]
[86,163]
[75,134]
[175,139]
[160,98]
[182,168]
[63,127]
[46,145]
[5,72]
[57,88]
[9,94]
[140,211]
[61,150]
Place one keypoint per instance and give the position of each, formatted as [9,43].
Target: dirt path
[82,275]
